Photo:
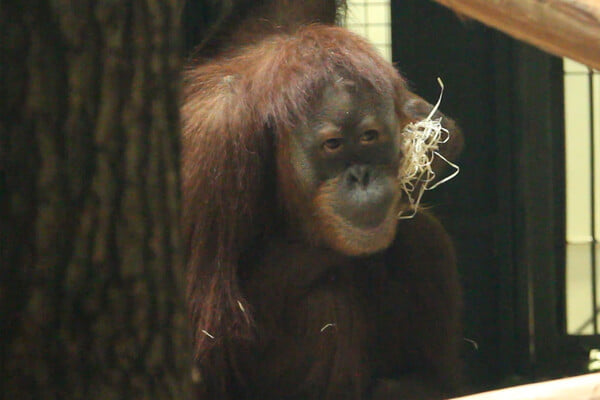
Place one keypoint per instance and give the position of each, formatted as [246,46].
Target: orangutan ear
[416,109]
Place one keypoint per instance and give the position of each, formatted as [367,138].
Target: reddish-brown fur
[230,126]
[249,286]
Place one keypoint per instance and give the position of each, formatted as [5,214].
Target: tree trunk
[92,283]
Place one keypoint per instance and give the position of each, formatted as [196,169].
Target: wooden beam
[584,387]
[566,28]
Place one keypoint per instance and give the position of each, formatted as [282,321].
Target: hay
[207,334]
[421,142]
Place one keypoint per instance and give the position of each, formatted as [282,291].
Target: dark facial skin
[346,159]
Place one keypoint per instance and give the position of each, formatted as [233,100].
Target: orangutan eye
[369,136]
[332,144]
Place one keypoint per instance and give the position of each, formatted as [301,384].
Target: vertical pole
[593,204]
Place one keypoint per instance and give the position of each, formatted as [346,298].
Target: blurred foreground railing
[566,28]
[584,387]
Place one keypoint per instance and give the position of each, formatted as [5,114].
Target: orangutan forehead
[346,96]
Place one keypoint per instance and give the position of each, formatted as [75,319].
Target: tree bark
[92,285]
[566,28]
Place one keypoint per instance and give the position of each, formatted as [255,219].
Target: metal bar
[586,323]
[593,203]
